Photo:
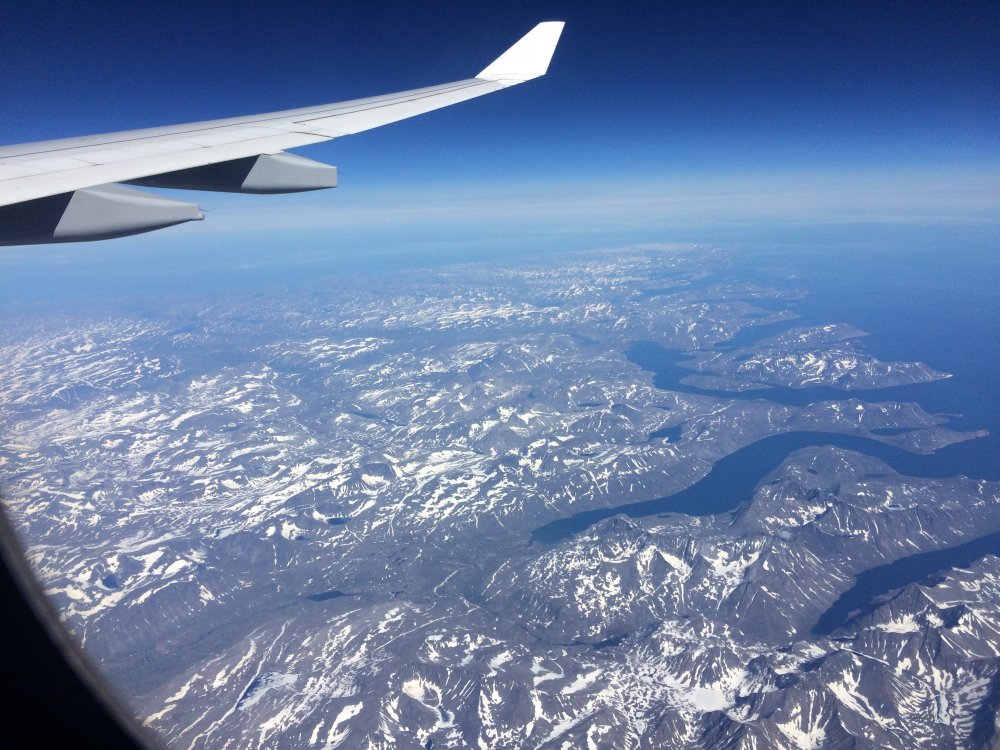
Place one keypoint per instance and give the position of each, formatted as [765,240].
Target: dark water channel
[874,583]
[326,596]
[733,479]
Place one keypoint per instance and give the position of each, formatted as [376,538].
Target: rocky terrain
[313,519]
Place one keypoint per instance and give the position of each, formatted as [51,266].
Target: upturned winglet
[528,58]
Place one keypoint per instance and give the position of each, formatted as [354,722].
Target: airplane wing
[70,189]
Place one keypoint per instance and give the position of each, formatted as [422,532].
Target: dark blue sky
[642,100]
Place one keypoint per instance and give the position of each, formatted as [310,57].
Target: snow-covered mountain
[315,520]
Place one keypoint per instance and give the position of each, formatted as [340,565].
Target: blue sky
[652,113]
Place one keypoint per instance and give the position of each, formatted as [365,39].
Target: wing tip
[528,58]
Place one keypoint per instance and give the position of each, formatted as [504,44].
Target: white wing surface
[57,191]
